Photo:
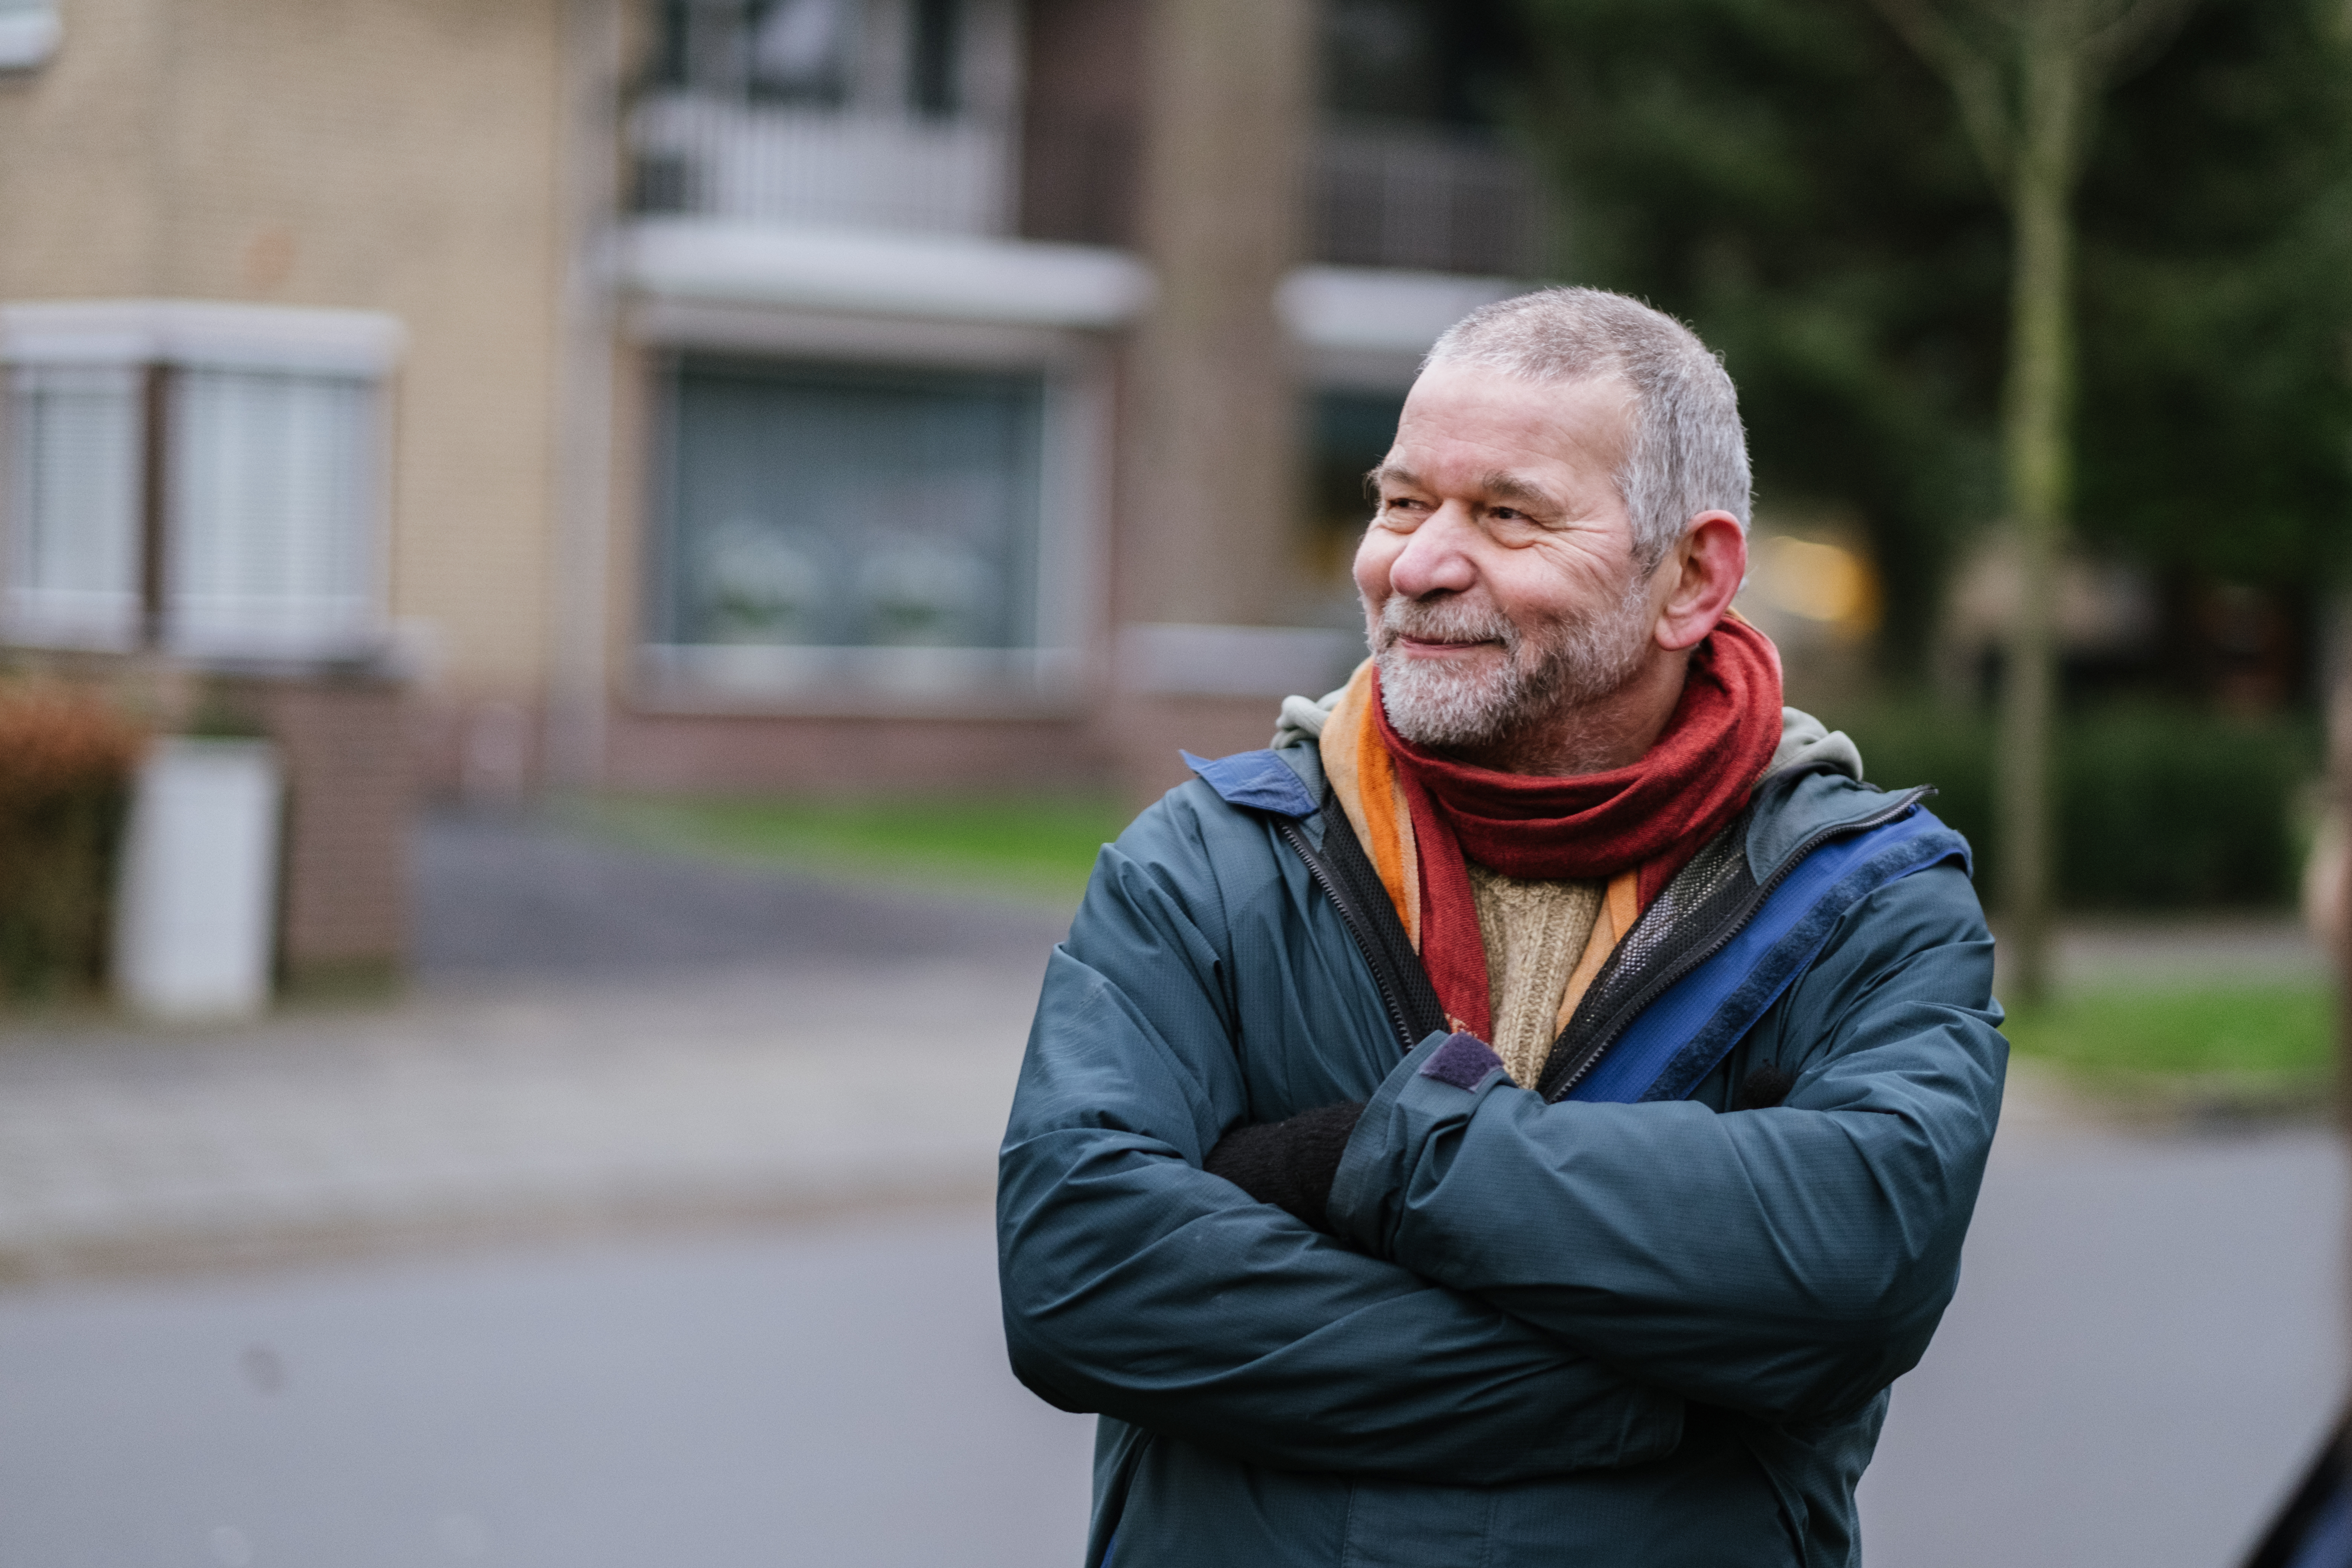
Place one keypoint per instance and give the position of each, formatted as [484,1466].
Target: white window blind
[271,525]
[73,504]
[265,510]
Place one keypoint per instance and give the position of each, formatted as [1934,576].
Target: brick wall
[714,753]
[343,916]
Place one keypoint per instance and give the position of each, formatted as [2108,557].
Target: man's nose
[1436,558]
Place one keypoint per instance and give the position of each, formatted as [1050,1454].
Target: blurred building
[728,394]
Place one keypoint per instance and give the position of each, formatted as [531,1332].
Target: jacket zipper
[1297,838]
[1666,976]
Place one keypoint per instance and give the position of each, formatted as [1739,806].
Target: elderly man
[1531,1113]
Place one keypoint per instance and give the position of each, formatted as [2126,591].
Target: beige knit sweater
[1534,934]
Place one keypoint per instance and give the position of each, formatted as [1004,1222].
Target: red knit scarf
[1653,814]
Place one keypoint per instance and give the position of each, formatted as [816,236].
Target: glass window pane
[844,509]
[272,503]
[73,504]
[29,31]
[799,49]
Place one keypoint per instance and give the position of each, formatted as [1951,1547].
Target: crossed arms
[1509,1290]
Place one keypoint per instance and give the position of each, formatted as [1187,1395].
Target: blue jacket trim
[1260,781]
[1678,1040]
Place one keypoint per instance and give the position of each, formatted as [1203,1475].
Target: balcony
[1415,197]
[1426,198]
[703,155]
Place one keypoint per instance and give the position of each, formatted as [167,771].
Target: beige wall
[395,155]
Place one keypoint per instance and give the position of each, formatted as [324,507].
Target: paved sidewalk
[600,1039]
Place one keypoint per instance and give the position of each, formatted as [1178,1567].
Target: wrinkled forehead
[1585,422]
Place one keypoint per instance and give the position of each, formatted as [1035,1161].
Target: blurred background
[580,581]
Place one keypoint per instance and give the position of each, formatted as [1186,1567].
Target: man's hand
[1288,1163]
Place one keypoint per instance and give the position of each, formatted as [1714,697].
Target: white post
[196,907]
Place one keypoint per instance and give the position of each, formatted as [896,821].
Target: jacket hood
[1809,746]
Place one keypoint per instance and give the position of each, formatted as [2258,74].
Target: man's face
[1500,583]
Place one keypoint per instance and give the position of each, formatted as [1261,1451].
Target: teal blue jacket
[1654,1333]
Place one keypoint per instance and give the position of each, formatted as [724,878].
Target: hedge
[2157,807]
[66,761]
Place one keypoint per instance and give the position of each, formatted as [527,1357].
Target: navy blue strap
[1260,781]
[1679,1039]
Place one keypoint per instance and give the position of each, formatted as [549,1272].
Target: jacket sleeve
[1787,1262]
[1137,1285]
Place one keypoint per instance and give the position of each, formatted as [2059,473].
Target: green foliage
[53,913]
[2159,807]
[1789,178]
[1783,174]
[1037,845]
[2248,1032]
[2216,223]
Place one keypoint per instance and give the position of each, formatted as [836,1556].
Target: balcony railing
[1421,198]
[709,156]
[1428,198]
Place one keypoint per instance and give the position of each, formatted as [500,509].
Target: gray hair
[1688,454]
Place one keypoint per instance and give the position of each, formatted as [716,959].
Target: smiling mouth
[1437,644]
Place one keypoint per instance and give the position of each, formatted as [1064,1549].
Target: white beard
[1560,665]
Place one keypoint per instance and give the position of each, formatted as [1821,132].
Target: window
[934,62]
[789,51]
[1352,432]
[800,50]
[888,519]
[206,478]
[271,507]
[29,32]
[891,114]
[73,558]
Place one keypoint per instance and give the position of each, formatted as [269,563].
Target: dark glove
[1289,1164]
[1766,1087]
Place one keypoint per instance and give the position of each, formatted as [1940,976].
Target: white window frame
[164,341]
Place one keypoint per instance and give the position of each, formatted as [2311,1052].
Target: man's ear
[1704,569]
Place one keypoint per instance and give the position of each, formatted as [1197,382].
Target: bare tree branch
[1974,80]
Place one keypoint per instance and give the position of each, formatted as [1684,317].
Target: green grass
[2274,1036]
[1034,845]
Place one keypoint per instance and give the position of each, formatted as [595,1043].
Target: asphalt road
[2149,1345]
[2146,1343]
[832,1395]
[500,899]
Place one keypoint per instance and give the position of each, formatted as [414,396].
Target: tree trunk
[2329,889]
[2036,457]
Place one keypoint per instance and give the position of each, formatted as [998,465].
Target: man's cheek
[1374,557]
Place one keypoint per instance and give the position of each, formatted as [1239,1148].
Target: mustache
[1446,620]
